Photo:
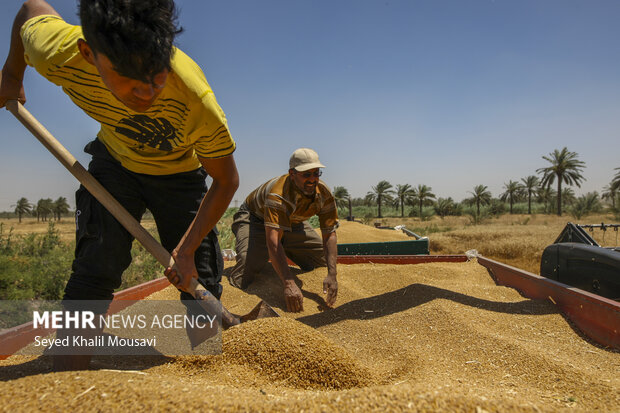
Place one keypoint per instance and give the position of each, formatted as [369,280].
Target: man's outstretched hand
[330,287]
[293,297]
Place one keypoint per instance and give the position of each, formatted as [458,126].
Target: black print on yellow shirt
[157,133]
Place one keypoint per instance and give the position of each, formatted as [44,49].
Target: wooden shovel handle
[98,191]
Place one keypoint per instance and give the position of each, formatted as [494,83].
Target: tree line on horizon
[564,168]
[42,209]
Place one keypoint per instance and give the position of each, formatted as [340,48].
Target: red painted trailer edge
[399,259]
[597,317]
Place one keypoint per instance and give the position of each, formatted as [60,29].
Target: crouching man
[272,224]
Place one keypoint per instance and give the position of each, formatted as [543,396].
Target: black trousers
[103,246]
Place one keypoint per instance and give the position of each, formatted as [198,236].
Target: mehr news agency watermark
[141,327]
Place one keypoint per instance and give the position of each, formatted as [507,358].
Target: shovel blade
[262,310]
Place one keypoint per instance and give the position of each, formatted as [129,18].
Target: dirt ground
[426,337]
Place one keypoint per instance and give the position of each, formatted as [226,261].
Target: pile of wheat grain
[287,351]
[427,337]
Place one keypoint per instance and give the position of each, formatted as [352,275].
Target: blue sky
[450,94]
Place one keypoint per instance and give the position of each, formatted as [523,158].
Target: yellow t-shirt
[184,123]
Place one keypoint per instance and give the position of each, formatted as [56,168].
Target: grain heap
[288,352]
[350,231]
[435,337]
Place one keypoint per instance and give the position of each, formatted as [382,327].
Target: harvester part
[575,233]
[588,267]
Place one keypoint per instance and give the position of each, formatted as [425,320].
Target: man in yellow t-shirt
[162,132]
[272,224]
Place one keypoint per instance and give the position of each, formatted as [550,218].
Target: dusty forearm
[278,260]
[213,205]
[292,294]
[273,238]
[330,247]
[211,209]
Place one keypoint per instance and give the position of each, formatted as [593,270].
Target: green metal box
[413,247]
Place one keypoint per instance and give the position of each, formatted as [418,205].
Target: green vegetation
[585,204]
[513,191]
[37,266]
[226,237]
[34,266]
[144,267]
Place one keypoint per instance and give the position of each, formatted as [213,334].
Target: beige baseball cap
[304,159]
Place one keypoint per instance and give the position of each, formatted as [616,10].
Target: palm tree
[613,189]
[610,192]
[513,190]
[403,195]
[530,185]
[44,208]
[546,196]
[422,196]
[445,207]
[585,204]
[568,197]
[22,207]
[566,168]
[381,193]
[343,199]
[481,195]
[60,206]
[615,182]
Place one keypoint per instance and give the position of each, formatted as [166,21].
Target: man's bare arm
[330,284]
[292,294]
[12,77]
[213,205]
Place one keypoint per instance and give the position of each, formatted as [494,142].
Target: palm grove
[548,191]
[42,209]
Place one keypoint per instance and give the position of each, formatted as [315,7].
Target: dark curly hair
[135,35]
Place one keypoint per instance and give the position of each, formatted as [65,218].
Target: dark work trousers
[103,246]
[302,245]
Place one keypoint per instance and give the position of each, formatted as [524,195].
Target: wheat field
[517,240]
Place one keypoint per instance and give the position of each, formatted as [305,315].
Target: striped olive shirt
[280,204]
